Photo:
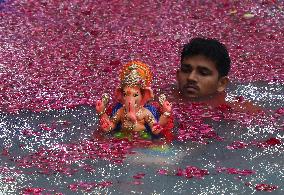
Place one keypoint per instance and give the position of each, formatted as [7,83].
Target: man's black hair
[212,49]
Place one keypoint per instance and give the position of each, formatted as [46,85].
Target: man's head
[205,64]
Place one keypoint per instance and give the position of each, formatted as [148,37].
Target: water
[25,133]
[58,57]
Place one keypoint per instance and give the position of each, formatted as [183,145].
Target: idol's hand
[167,106]
[105,124]
[100,107]
[156,129]
[101,104]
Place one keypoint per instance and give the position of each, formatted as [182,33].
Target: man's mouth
[191,88]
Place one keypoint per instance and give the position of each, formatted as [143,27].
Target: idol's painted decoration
[134,115]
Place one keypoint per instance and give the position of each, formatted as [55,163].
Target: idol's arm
[166,113]
[154,125]
[109,123]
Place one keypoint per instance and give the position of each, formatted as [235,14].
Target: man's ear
[222,84]
[178,77]
[177,74]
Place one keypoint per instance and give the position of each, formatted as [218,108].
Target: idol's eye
[135,95]
[124,94]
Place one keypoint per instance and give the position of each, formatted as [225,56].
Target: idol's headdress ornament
[136,73]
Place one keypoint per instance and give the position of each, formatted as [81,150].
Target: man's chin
[191,95]
[197,96]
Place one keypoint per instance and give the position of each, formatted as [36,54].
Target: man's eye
[185,69]
[205,72]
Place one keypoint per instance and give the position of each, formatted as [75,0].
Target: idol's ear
[222,84]
[119,94]
[147,94]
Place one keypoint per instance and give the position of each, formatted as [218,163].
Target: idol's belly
[133,126]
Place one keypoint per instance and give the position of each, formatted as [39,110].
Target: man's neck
[213,100]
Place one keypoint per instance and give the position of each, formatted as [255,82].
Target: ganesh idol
[134,114]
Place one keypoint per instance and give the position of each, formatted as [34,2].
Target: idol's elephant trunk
[130,109]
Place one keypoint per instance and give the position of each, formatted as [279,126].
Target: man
[205,64]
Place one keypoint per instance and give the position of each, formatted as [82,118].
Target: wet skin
[198,78]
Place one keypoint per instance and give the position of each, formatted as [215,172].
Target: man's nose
[192,76]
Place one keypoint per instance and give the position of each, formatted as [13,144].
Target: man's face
[198,77]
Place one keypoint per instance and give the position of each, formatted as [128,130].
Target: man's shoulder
[245,106]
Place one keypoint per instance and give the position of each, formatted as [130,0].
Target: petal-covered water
[58,57]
